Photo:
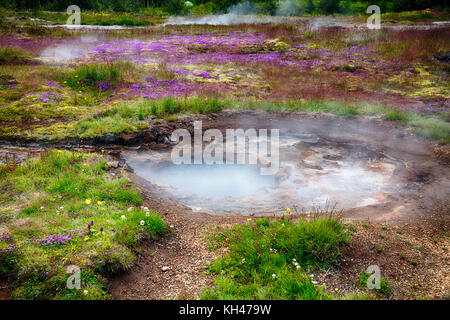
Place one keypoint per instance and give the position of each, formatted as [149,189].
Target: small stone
[165,269]
[113,164]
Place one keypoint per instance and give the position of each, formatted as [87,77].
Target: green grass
[396,115]
[93,76]
[431,127]
[59,192]
[410,15]
[260,260]
[126,117]
[88,17]
[13,56]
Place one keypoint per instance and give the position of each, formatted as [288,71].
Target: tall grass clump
[396,115]
[269,260]
[434,128]
[101,76]
[13,56]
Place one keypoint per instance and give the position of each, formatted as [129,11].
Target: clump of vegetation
[100,76]
[431,127]
[13,56]
[268,260]
[396,115]
[64,210]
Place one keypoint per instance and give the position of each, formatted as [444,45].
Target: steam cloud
[243,12]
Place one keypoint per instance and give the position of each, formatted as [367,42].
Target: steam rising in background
[67,51]
[243,12]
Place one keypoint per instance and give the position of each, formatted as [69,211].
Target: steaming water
[312,174]
[208,180]
[67,51]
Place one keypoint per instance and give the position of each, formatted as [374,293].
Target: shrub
[13,56]
[175,6]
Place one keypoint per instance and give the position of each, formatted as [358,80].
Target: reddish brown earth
[5,290]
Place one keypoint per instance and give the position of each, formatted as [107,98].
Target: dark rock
[333,157]
[442,56]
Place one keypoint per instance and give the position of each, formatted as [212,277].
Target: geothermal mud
[366,166]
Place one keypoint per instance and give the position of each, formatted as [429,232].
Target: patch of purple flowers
[9,250]
[5,237]
[55,239]
[59,238]
[205,75]
[104,86]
